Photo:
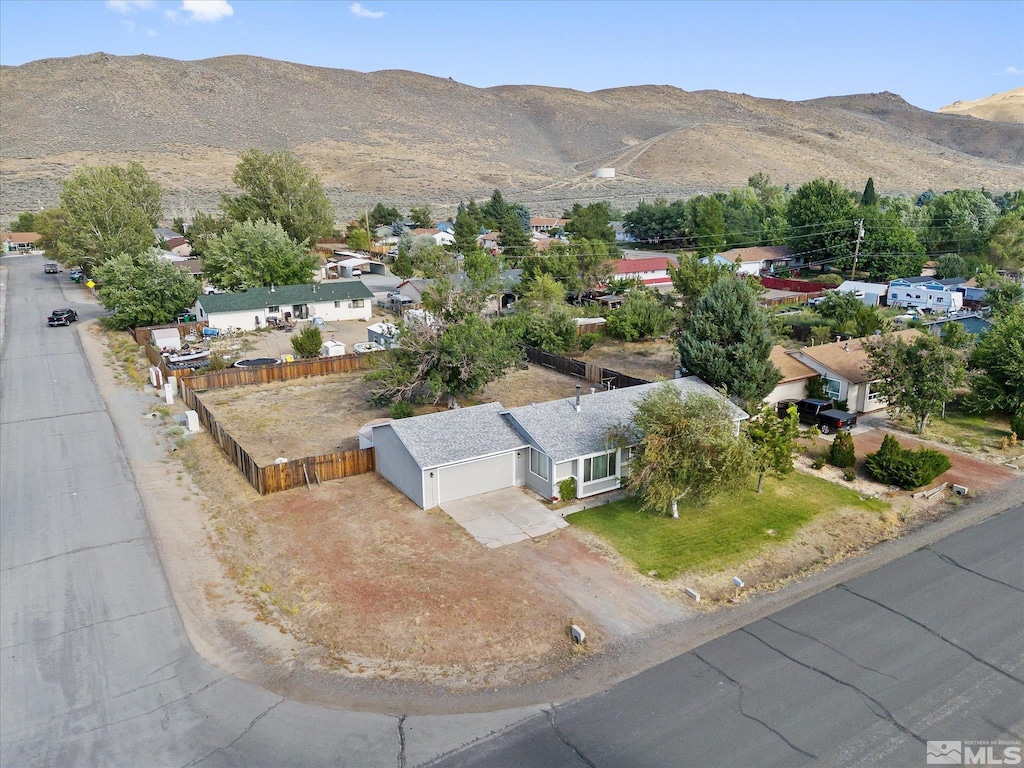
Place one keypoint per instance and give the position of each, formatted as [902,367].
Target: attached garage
[478,452]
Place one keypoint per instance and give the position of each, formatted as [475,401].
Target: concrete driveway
[503,517]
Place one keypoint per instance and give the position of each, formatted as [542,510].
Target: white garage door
[473,477]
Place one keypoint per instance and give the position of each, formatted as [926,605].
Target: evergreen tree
[493,211]
[514,241]
[727,341]
[467,229]
[870,197]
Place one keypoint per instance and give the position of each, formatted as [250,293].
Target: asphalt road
[96,668]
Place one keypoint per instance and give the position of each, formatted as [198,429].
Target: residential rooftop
[280,295]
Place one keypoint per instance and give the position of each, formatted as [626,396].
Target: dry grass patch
[644,359]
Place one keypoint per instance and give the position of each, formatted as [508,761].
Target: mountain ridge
[410,138]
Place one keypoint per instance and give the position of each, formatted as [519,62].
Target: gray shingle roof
[442,438]
[563,434]
[309,293]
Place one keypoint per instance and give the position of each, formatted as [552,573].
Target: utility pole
[856,250]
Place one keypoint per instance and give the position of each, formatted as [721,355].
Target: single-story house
[248,310]
[842,366]
[488,241]
[870,294]
[445,456]
[795,375]
[974,295]
[439,236]
[927,293]
[164,233]
[193,266]
[621,235]
[19,241]
[413,288]
[652,270]
[540,224]
[179,246]
[755,260]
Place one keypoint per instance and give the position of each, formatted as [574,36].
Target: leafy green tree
[515,241]
[357,238]
[692,279]
[727,341]
[591,222]
[870,197]
[686,449]
[402,266]
[1006,246]
[278,188]
[841,307]
[204,227]
[541,317]
[144,290]
[956,336]
[915,377]
[48,225]
[26,222]
[454,355]
[178,225]
[820,215]
[960,220]
[641,316]
[774,441]
[708,224]
[952,265]
[107,211]
[482,268]
[421,216]
[891,247]
[999,360]
[432,260]
[382,215]
[308,341]
[1002,293]
[256,253]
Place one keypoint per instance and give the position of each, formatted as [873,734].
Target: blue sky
[931,53]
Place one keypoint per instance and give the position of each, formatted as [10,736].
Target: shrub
[842,453]
[215,362]
[819,463]
[1017,423]
[849,474]
[401,409]
[567,489]
[308,342]
[895,465]
[588,340]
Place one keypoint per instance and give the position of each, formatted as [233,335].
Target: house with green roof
[251,309]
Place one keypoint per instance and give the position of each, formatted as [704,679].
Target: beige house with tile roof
[795,374]
[842,365]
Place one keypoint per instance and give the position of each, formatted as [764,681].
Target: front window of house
[831,388]
[599,467]
[357,303]
[337,305]
[539,464]
[274,308]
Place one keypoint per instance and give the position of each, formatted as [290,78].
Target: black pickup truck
[821,413]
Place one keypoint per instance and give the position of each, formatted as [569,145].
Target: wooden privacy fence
[279,477]
[799,286]
[142,333]
[317,366]
[581,369]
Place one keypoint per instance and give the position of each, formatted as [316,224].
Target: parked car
[76,274]
[821,413]
[51,268]
[67,312]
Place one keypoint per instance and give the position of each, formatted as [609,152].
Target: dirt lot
[306,417]
[643,359]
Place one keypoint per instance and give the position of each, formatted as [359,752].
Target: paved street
[96,668]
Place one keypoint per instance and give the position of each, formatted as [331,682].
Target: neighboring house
[413,288]
[193,266]
[508,282]
[795,375]
[488,241]
[927,293]
[463,452]
[974,295]
[842,367]
[447,226]
[248,310]
[439,236]
[754,261]
[170,256]
[19,241]
[621,235]
[164,233]
[539,224]
[870,294]
[179,246]
[652,270]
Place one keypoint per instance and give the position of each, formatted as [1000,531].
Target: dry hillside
[409,138]
[1006,107]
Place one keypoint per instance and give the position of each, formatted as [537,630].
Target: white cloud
[1014,71]
[128,6]
[203,10]
[151,33]
[364,13]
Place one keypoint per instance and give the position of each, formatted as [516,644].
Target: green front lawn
[970,430]
[726,531]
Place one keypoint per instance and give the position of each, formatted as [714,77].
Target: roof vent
[578,388]
[272,288]
[846,347]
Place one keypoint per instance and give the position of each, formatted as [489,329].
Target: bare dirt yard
[644,359]
[307,417]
